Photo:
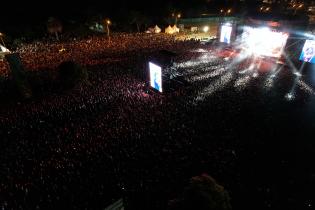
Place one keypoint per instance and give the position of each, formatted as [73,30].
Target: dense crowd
[94,50]
[115,137]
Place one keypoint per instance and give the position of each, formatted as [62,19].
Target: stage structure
[19,75]
[161,74]
[155,76]
[225,34]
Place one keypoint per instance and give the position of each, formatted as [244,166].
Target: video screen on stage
[308,52]
[264,41]
[155,76]
[225,36]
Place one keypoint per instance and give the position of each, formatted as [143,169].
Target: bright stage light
[206,29]
[264,41]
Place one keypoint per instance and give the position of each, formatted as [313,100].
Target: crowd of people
[93,50]
[86,147]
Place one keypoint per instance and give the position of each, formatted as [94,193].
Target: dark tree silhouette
[139,20]
[202,193]
[54,26]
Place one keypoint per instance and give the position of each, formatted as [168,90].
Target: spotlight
[206,29]
[298,74]
[289,96]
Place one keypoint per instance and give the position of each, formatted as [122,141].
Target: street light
[108,22]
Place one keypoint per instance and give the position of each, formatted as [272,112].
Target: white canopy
[157,29]
[175,29]
[154,30]
[169,30]
[3,49]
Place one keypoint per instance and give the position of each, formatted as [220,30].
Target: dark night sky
[25,9]
[33,11]
[21,13]
[17,11]
[32,8]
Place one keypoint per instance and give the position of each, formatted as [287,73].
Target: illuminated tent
[157,29]
[150,30]
[3,51]
[169,30]
[175,29]
[154,30]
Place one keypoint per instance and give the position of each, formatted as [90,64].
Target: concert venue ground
[86,147]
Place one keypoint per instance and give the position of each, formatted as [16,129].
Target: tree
[202,193]
[138,19]
[54,26]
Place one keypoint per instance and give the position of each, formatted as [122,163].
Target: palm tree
[54,26]
[139,19]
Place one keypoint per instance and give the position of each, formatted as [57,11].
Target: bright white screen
[155,76]
[308,52]
[263,41]
[226,34]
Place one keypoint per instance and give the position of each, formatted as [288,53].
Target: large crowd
[93,50]
[115,137]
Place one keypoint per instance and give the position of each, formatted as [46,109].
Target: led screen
[308,52]
[226,34]
[155,76]
[264,41]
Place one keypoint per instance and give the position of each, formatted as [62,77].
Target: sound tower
[19,75]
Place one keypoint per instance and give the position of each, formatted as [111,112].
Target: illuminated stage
[256,57]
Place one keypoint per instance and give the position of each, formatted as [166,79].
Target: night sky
[19,14]
[32,9]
